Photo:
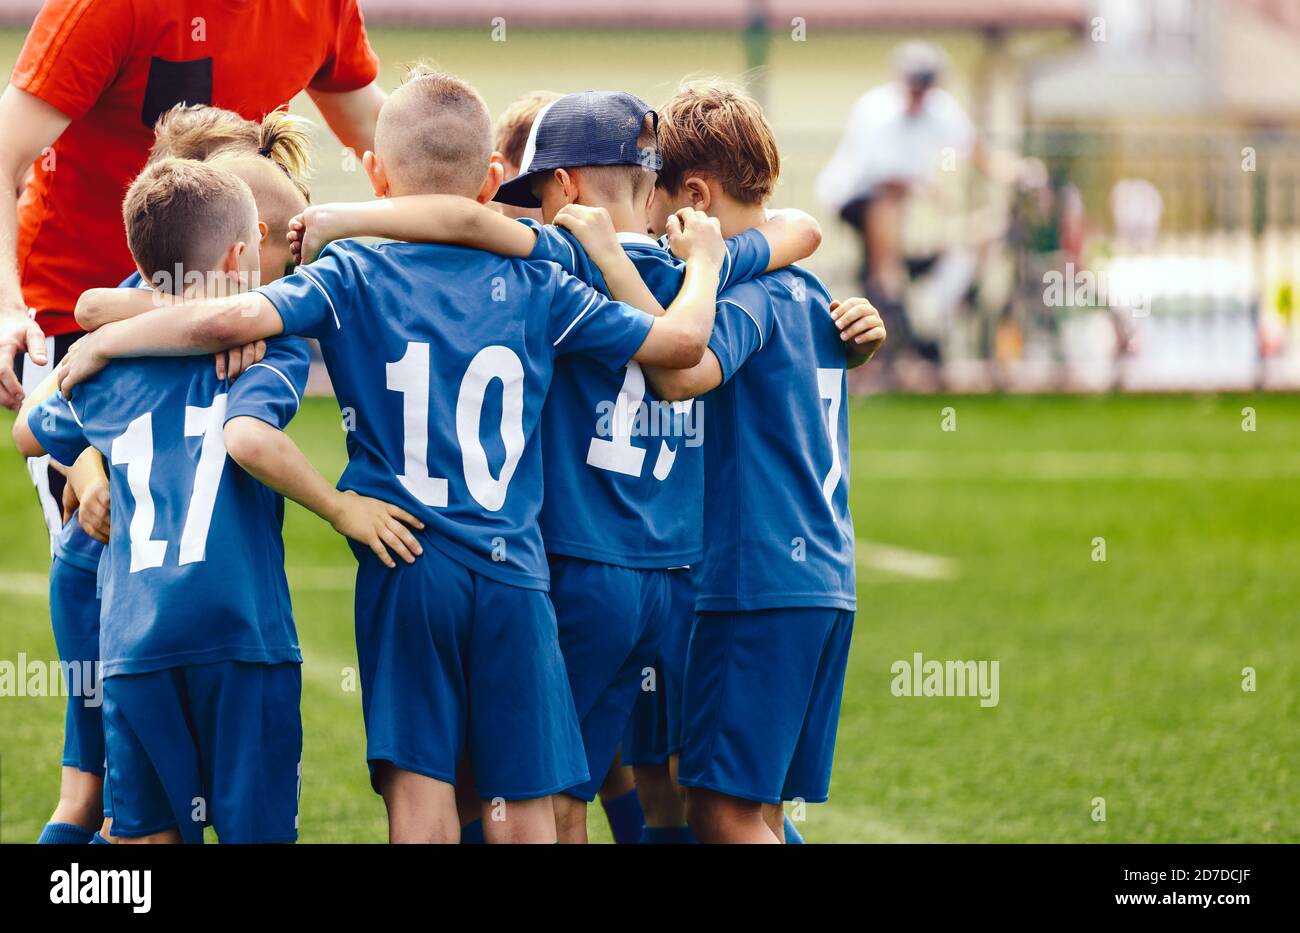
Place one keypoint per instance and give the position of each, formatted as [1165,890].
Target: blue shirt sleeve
[557,245]
[272,389]
[582,320]
[741,328]
[57,426]
[312,302]
[747,258]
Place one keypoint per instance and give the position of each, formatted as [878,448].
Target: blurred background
[1078,457]
[1142,158]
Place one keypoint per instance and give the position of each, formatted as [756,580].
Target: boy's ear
[698,192]
[230,260]
[569,184]
[262,232]
[374,167]
[496,174]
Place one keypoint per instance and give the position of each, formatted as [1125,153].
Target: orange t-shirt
[113,66]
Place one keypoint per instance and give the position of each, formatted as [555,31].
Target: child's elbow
[25,440]
[217,331]
[85,312]
[245,441]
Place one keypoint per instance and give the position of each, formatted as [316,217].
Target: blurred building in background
[1150,239]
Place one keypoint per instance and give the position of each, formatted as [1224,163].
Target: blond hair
[202,132]
[713,128]
[510,134]
[181,213]
[434,135]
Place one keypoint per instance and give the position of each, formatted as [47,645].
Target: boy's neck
[213,285]
[735,217]
[625,217]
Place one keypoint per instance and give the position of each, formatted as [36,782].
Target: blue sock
[63,834]
[98,840]
[792,837]
[625,817]
[667,836]
[471,834]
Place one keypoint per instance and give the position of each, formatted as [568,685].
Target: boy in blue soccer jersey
[443,357]
[199,655]
[271,159]
[775,591]
[624,472]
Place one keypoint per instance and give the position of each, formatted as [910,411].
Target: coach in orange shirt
[76,124]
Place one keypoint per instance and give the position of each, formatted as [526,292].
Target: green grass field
[1119,679]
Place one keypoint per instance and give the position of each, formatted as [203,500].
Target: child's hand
[93,514]
[310,232]
[83,361]
[695,236]
[594,229]
[230,363]
[860,325]
[376,524]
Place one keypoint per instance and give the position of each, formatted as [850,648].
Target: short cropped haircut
[434,135]
[622,182]
[510,134]
[714,129]
[181,212]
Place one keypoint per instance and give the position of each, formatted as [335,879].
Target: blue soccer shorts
[654,731]
[74,612]
[454,662]
[610,620]
[761,702]
[217,744]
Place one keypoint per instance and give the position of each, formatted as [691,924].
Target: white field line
[905,563]
[1064,465]
[326,579]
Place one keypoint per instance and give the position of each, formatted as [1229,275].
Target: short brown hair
[713,128]
[181,212]
[434,135]
[510,134]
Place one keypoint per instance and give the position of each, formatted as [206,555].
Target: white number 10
[410,377]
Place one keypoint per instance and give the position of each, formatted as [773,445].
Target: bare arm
[420,218]
[351,115]
[275,460]
[89,483]
[201,326]
[24,439]
[791,235]
[30,127]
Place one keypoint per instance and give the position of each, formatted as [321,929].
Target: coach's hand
[377,525]
[594,229]
[694,235]
[860,325]
[83,361]
[18,334]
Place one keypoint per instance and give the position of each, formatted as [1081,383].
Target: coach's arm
[351,115]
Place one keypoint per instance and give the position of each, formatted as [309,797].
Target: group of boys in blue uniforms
[614,471]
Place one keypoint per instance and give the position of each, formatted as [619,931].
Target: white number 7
[830,386]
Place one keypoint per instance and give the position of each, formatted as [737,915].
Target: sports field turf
[1119,679]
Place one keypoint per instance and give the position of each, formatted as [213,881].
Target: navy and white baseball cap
[586,128]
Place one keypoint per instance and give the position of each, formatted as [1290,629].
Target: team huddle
[597,479]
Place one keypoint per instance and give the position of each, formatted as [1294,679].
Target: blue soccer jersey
[72,544]
[195,560]
[441,358]
[624,470]
[777,529]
